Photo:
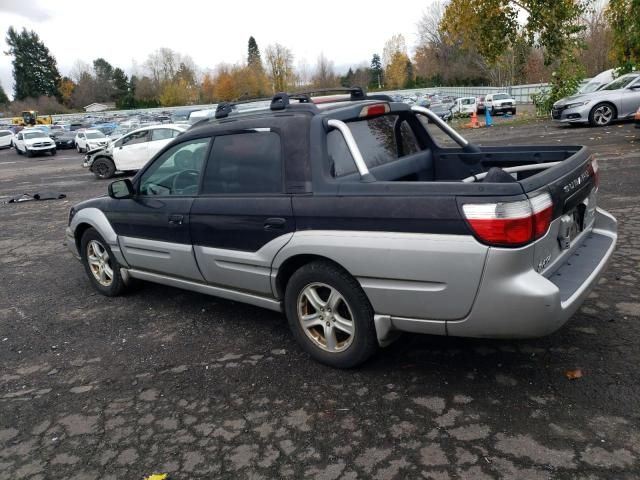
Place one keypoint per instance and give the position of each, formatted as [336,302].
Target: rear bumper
[514,301]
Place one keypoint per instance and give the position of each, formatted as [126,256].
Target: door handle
[176,219]
[275,223]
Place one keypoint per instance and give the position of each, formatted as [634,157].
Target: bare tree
[79,69]
[324,75]
[597,39]
[392,47]
[280,67]
[303,73]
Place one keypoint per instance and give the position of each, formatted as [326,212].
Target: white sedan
[6,138]
[89,140]
[34,141]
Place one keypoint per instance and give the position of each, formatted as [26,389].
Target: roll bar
[455,136]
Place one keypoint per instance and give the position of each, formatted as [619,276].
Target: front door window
[176,171]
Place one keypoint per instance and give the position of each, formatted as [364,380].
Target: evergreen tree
[103,72]
[253,56]
[4,100]
[376,70]
[120,85]
[34,68]
[347,80]
[410,83]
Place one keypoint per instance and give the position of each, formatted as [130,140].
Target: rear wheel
[602,115]
[101,266]
[330,315]
[103,168]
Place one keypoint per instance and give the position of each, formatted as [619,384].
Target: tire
[493,111]
[513,111]
[103,271]
[18,151]
[78,149]
[53,151]
[103,168]
[328,339]
[29,153]
[602,115]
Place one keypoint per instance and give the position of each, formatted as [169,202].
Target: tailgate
[573,188]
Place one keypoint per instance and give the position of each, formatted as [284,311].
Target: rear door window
[163,134]
[381,140]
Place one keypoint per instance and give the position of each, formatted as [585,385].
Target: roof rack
[281,100]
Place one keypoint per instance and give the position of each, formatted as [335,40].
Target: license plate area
[571,225]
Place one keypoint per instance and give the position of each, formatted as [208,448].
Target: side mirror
[121,189]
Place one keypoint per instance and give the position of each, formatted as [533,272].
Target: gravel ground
[164,380]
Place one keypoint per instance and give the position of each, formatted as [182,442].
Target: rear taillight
[378,109]
[510,224]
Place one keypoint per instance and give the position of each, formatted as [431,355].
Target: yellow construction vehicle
[30,118]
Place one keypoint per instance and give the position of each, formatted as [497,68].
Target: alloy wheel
[100,263]
[603,115]
[325,317]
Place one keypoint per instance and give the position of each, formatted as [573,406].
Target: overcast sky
[124,32]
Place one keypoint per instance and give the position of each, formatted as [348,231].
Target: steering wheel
[185,182]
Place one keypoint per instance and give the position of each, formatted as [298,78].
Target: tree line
[460,42]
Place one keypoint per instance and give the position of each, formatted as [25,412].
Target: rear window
[381,140]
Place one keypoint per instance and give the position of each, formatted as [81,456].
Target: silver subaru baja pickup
[344,213]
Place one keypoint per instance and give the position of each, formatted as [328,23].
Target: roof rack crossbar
[281,100]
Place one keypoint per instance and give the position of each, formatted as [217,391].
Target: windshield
[590,87]
[32,135]
[500,96]
[620,82]
[94,135]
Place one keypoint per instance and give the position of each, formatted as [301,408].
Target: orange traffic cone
[474,120]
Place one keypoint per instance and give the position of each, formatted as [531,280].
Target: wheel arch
[94,218]
[294,263]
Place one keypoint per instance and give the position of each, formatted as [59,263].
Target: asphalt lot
[164,380]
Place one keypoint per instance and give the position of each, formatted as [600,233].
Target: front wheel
[29,153]
[103,168]
[330,316]
[513,111]
[602,115]
[53,151]
[101,266]
[18,151]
